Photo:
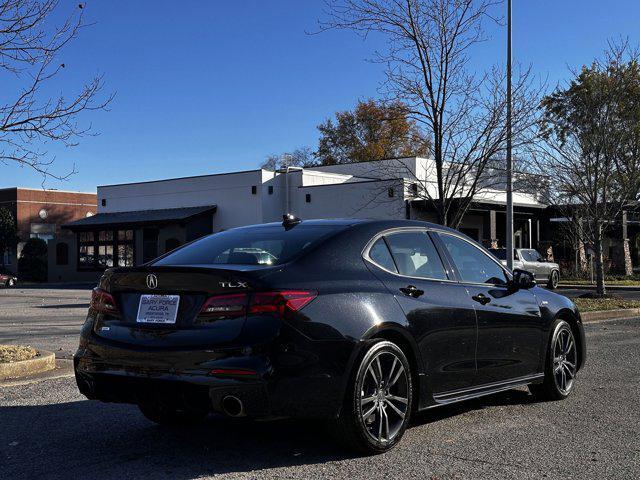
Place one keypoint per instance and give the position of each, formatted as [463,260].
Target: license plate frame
[158,309]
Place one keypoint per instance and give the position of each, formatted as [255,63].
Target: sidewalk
[593,287]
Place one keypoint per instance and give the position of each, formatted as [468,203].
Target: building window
[270,189]
[307,198]
[86,249]
[7,257]
[62,254]
[105,248]
[390,192]
[125,250]
[414,189]
[254,190]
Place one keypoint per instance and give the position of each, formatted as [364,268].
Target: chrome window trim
[391,231]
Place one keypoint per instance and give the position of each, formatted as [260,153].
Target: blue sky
[212,86]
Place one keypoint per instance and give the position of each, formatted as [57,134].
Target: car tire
[561,364]
[169,416]
[378,401]
[10,283]
[554,279]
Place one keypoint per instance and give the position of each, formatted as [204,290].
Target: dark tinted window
[473,264]
[415,255]
[249,246]
[379,254]
[501,253]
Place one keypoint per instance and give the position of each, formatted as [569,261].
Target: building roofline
[49,190]
[184,178]
[377,180]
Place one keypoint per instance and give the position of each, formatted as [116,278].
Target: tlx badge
[233,284]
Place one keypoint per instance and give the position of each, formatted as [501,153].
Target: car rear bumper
[271,383]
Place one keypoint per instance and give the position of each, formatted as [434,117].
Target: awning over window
[140,218]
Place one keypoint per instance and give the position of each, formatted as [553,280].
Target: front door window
[474,266]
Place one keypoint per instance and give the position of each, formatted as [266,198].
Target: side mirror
[523,279]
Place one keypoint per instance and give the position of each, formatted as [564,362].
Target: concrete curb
[43,362]
[64,369]
[593,287]
[610,314]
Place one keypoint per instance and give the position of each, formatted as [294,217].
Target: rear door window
[380,255]
[415,255]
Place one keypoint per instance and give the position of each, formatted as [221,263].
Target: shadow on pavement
[88,439]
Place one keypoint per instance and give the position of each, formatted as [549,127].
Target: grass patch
[16,353]
[596,304]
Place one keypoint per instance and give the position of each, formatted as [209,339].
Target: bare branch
[29,47]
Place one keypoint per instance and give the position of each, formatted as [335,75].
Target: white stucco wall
[350,200]
[230,192]
[336,191]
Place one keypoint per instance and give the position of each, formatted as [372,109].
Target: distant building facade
[136,222]
[40,213]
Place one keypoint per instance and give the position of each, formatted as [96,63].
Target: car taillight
[225,306]
[280,302]
[240,304]
[103,301]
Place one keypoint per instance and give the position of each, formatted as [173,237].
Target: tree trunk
[600,286]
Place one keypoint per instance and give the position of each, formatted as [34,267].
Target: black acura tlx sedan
[362,322]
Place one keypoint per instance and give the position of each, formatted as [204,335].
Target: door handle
[412,291]
[481,298]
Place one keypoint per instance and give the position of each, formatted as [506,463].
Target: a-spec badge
[233,284]
[152,281]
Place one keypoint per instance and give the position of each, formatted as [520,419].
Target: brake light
[103,302]
[241,304]
[280,302]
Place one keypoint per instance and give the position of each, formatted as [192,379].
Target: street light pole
[509,229]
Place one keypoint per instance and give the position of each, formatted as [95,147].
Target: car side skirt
[448,398]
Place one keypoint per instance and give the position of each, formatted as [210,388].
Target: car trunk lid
[182,292]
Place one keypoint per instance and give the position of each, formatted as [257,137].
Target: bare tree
[463,112]
[30,47]
[300,157]
[592,133]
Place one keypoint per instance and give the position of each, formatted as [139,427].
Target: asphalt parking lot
[48,430]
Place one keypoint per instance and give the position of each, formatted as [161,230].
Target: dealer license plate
[158,308]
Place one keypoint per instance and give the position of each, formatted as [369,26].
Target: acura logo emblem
[152,281]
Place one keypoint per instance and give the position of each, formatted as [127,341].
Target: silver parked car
[530,260]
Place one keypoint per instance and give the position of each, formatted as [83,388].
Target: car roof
[346,222]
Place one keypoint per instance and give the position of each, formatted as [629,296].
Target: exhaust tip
[233,406]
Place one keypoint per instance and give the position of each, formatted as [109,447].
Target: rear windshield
[250,246]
